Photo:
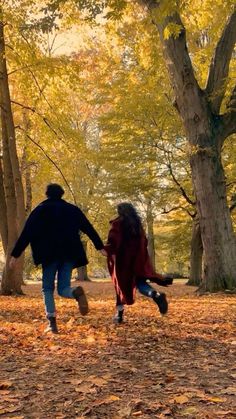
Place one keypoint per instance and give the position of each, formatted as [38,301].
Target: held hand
[103,252]
[12,262]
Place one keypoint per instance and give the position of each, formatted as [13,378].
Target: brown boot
[81,298]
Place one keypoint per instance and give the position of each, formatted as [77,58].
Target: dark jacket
[53,231]
[128,260]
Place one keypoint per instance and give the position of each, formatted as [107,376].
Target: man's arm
[25,236]
[86,227]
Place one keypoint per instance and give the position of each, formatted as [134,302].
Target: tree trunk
[206,130]
[150,233]
[13,188]
[10,127]
[3,212]
[218,238]
[8,281]
[82,271]
[196,255]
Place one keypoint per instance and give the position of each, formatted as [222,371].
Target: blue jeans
[143,287]
[63,271]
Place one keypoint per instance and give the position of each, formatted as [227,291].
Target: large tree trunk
[206,130]
[3,212]
[196,255]
[13,188]
[218,239]
[10,127]
[8,281]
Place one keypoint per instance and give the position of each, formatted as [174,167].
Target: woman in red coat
[129,263]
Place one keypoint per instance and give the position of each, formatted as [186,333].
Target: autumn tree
[12,194]
[207,124]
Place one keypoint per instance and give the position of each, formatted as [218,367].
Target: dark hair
[54,191]
[130,219]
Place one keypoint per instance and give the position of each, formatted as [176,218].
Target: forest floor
[180,365]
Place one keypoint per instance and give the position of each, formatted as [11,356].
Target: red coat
[128,260]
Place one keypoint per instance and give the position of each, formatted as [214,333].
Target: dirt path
[182,365]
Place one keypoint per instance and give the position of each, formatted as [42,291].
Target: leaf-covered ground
[182,365]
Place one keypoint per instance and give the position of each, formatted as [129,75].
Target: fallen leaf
[97,381]
[191,410]
[10,409]
[85,388]
[90,339]
[4,392]
[229,390]
[181,399]
[224,413]
[74,381]
[5,384]
[216,399]
[110,399]
[124,413]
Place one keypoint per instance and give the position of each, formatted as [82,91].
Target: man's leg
[159,298]
[65,290]
[48,285]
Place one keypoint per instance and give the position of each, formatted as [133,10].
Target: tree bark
[13,188]
[206,132]
[8,280]
[215,222]
[10,127]
[196,255]
[82,271]
[3,212]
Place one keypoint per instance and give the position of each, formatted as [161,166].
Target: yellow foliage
[172,29]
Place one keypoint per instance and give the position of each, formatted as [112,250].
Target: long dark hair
[132,225]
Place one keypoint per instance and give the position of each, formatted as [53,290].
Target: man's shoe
[161,301]
[52,326]
[81,299]
[118,318]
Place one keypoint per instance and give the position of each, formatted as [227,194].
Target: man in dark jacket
[52,230]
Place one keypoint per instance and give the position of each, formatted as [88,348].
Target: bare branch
[184,194]
[219,68]
[45,120]
[51,160]
[177,208]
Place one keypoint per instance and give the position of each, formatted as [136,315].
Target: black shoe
[161,301]
[118,318]
[52,327]
[81,299]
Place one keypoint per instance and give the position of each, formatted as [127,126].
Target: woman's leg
[144,288]
[118,318]
[147,290]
